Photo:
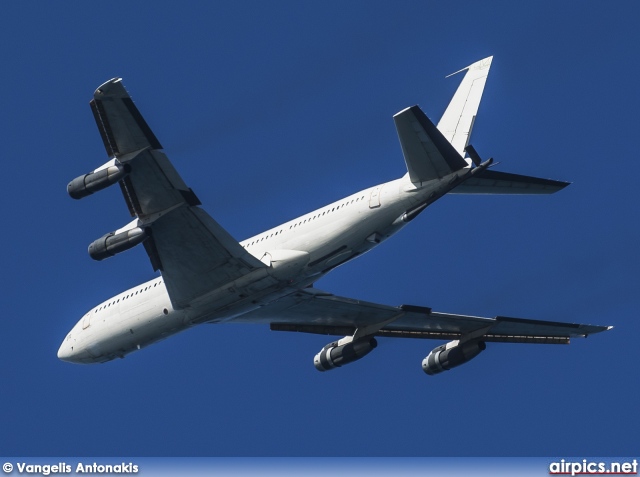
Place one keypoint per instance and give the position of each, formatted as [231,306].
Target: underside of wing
[360,323]
[193,252]
[122,127]
[196,255]
[312,311]
[153,185]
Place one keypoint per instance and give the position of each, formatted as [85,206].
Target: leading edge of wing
[312,311]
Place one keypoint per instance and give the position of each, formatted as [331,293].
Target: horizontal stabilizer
[427,153]
[495,182]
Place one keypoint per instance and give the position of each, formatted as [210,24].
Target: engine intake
[112,243]
[335,355]
[451,355]
[94,181]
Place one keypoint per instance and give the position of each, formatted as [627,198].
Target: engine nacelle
[451,355]
[335,355]
[94,181]
[112,243]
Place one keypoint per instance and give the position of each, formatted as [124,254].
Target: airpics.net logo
[586,467]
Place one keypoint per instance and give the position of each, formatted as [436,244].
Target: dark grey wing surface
[426,151]
[312,311]
[193,252]
[429,155]
[496,182]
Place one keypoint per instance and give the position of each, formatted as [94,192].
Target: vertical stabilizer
[458,119]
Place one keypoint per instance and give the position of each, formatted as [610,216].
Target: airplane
[206,276]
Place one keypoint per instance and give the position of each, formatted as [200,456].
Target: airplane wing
[193,252]
[313,311]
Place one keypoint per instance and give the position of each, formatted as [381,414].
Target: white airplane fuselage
[298,253]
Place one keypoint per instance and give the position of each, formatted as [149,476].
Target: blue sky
[271,110]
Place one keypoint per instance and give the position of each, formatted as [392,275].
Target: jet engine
[112,243]
[451,355]
[343,352]
[100,179]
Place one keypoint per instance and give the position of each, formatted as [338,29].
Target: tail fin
[457,121]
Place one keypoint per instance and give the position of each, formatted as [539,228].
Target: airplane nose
[65,352]
[71,352]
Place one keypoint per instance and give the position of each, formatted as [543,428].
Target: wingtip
[107,87]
